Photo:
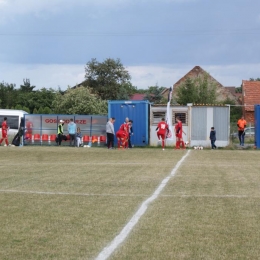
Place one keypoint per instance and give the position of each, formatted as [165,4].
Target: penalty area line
[108,250]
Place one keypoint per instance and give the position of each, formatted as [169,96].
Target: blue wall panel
[257,126]
[138,111]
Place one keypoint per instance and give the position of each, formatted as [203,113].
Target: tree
[79,101]
[154,95]
[199,90]
[8,95]
[26,87]
[235,111]
[109,79]
[252,79]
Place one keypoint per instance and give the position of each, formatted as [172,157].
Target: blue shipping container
[138,111]
[257,126]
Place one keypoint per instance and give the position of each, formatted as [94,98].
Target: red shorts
[162,135]
[179,136]
[121,135]
[4,134]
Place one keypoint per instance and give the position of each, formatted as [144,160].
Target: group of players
[163,132]
[123,134]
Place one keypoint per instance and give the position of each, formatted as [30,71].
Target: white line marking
[129,195]
[108,250]
[73,194]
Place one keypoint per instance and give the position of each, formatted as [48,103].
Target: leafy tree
[239,89]
[26,87]
[235,111]
[40,110]
[35,111]
[109,79]
[26,109]
[8,95]
[252,79]
[79,101]
[154,95]
[18,107]
[46,110]
[198,90]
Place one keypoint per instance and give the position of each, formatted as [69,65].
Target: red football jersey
[162,127]
[4,127]
[178,128]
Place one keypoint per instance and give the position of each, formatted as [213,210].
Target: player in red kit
[4,132]
[122,135]
[178,133]
[162,128]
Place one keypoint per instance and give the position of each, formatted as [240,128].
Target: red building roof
[250,94]
[137,96]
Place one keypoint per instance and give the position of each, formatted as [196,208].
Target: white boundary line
[108,250]
[129,195]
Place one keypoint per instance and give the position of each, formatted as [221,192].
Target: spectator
[78,137]
[241,124]
[72,128]
[131,132]
[110,133]
[212,137]
[60,132]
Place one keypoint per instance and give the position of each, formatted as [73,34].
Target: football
[86,146]
[187,142]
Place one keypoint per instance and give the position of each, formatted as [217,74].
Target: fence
[42,129]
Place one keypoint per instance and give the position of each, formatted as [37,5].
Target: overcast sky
[158,41]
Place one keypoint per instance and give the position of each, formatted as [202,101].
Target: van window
[12,121]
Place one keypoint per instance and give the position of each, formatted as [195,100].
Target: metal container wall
[257,126]
[138,111]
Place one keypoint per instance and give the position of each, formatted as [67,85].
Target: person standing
[131,132]
[178,133]
[162,128]
[110,132]
[212,137]
[4,132]
[72,129]
[60,131]
[241,124]
[78,137]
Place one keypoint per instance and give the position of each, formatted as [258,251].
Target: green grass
[69,203]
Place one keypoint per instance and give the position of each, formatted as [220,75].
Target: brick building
[222,92]
[250,97]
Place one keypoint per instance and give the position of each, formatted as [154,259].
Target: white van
[13,119]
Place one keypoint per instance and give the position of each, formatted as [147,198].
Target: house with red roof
[222,92]
[250,97]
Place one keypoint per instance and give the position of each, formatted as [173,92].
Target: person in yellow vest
[241,124]
[60,131]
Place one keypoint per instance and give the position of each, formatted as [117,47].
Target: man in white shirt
[110,133]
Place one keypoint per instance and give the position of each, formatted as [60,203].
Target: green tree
[40,110]
[109,79]
[154,95]
[79,101]
[8,95]
[46,110]
[235,111]
[200,90]
[26,87]
[35,111]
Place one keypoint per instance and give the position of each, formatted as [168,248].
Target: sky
[157,41]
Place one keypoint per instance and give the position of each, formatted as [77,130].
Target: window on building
[182,115]
[157,116]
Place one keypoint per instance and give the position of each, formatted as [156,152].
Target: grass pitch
[69,203]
